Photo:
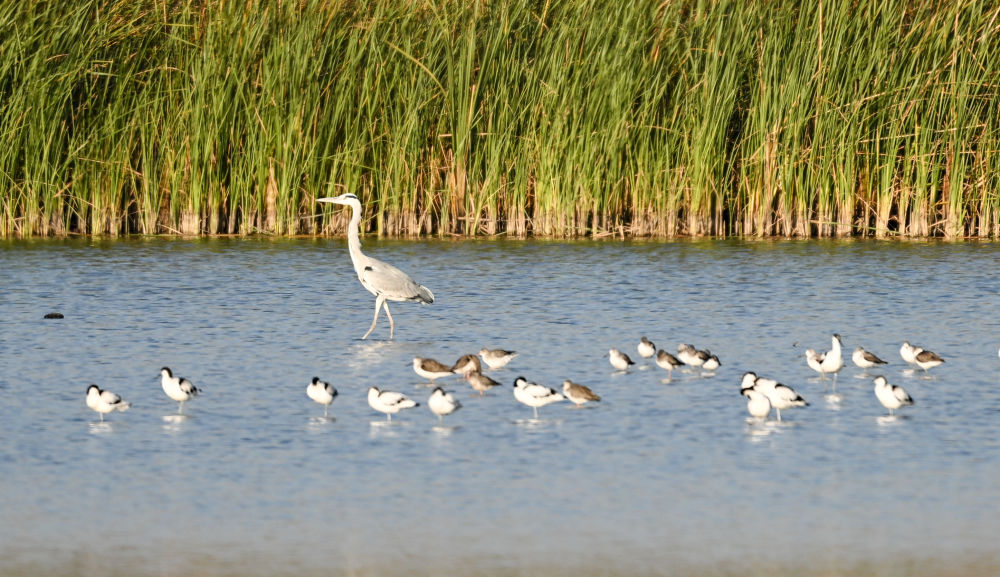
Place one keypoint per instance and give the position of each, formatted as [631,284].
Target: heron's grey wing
[384,279]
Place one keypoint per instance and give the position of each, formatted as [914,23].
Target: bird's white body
[383,280]
[919,356]
[711,363]
[534,395]
[578,394]
[442,403]
[758,404]
[814,360]
[781,396]
[389,402]
[866,359]
[619,360]
[321,392]
[691,356]
[833,360]
[667,361]
[829,362]
[927,360]
[177,388]
[431,369]
[496,358]
[105,401]
[891,396]
[481,382]
[646,348]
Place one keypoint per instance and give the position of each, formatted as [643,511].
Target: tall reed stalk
[527,117]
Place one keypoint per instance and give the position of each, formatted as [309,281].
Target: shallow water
[660,477]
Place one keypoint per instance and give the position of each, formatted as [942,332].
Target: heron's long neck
[354,241]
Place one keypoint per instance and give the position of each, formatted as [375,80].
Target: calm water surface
[660,478]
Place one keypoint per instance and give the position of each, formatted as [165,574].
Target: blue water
[662,477]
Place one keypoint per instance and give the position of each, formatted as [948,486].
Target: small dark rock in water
[54,316]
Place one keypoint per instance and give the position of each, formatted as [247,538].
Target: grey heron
[383,280]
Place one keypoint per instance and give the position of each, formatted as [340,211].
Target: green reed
[545,117]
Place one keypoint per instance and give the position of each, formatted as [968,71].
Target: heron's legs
[379,301]
[392,326]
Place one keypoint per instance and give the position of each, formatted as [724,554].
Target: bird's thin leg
[325,409]
[379,301]
[779,413]
[180,408]
[392,325]
[536,412]
[102,417]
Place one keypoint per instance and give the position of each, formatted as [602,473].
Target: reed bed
[550,118]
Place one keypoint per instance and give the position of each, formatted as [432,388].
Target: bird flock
[763,394]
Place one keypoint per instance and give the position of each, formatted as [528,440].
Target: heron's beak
[326,199]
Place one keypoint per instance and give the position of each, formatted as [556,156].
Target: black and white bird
[105,401]
[866,359]
[891,396]
[177,388]
[667,361]
[646,348]
[711,363]
[389,402]
[829,362]
[534,395]
[758,404]
[431,369]
[578,394]
[781,396]
[321,392]
[496,358]
[442,403]
[619,360]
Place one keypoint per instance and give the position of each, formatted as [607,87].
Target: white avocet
[105,401]
[442,403]
[892,397]
[389,402]
[321,392]
[781,396]
[534,395]
[758,404]
[177,388]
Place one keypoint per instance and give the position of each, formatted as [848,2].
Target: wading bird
[383,280]
[442,403]
[321,392]
[177,388]
[105,401]
[891,396]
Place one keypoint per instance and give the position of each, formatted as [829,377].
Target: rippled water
[658,478]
